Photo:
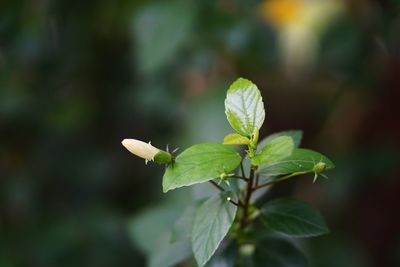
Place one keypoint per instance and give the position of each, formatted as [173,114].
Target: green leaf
[171,254]
[301,160]
[225,256]
[278,149]
[211,224]
[149,229]
[296,135]
[277,252]
[244,107]
[200,163]
[294,218]
[183,226]
[236,139]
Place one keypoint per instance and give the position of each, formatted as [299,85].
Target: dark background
[76,77]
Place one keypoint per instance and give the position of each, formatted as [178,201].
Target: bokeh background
[76,77]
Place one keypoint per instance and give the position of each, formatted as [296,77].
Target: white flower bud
[140,149]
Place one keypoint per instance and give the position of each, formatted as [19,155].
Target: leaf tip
[238,84]
[165,190]
[165,187]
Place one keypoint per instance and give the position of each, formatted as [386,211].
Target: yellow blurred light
[298,24]
[281,12]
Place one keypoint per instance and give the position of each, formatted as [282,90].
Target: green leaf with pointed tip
[225,256]
[182,228]
[294,218]
[200,163]
[278,149]
[244,107]
[149,229]
[211,224]
[278,253]
[236,139]
[171,255]
[296,135]
[301,160]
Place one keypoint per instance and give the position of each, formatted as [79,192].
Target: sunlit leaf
[200,163]
[296,135]
[278,149]
[236,139]
[244,107]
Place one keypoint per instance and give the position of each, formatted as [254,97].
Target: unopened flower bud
[319,167]
[146,151]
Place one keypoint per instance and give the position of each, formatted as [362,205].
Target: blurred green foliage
[78,77]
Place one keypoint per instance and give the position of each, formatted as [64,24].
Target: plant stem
[220,188]
[247,199]
[280,179]
[239,177]
[257,180]
[242,169]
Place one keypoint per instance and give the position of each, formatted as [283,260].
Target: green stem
[242,169]
[246,203]
[239,177]
[257,180]
[220,188]
[280,179]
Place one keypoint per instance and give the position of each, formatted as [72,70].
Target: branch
[280,179]
[257,180]
[247,199]
[239,177]
[242,169]
[220,188]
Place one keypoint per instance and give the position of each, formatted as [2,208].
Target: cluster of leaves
[225,221]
